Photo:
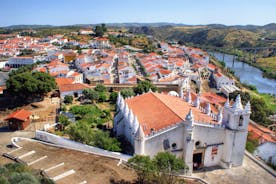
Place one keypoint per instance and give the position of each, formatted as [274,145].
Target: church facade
[155,122]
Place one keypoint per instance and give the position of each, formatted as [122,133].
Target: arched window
[241,121]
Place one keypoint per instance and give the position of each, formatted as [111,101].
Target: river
[248,74]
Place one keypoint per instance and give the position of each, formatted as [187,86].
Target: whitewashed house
[16,62]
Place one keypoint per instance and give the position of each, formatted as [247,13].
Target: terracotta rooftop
[21,114]
[62,81]
[73,87]
[261,133]
[157,111]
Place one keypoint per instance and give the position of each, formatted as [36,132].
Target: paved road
[249,173]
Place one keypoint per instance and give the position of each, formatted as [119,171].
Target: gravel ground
[248,173]
[88,167]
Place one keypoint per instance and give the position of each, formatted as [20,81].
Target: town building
[19,119]
[16,62]
[155,122]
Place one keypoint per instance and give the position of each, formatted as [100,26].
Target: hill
[216,35]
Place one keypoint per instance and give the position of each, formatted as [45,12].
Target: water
[249,74]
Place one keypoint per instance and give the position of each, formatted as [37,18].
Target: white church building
[156,122]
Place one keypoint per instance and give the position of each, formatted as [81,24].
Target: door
[197,160]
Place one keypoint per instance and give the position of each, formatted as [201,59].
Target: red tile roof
[73,87]
[21,114]
[161,111]
[61,81]
[261,133]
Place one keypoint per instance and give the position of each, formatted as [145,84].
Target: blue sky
[66,12]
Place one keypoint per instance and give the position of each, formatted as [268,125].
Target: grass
[270,101]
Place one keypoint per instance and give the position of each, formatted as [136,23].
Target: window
[197,144]
[166,144]
[241,121]
[174,146]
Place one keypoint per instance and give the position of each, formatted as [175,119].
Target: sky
[193,12]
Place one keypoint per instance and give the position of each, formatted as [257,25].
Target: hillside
[214,35]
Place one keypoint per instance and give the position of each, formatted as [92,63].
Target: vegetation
[137,41]
[82,132]
[68,99]
[100,88]
[16,173]
[100,30]
[259,108]
[90,114]
[113,97]
[29,84]
[251,143]
[127,93]
[143,87]
[160,169]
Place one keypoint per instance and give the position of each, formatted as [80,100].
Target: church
[157,122]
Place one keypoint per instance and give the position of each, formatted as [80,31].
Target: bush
[82,132]
[102,97]
[16,173]
[91,94]
[159,169]
[127,93]
[100,88]
[113,97]
[68,99]
[91,114]
[144,87]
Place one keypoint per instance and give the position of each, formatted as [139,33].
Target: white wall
[51,138]
[154,144]
[267,151]
[208,136]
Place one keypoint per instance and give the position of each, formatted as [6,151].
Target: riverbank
[266,65]
[270,100]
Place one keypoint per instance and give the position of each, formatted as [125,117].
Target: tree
[103,140]
[16,173]
[102,97]
[143,87]
[63,120]
[99,31]
[144,167]
[158,170]
[166,165]
[260,111]
[68,99]
[82,132]
[100,88]
[245,96]
[29,84]
[91,94]
[127,93]
[113,97]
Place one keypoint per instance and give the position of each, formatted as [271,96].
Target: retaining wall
[69,144]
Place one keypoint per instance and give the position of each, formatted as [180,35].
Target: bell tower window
[241,121]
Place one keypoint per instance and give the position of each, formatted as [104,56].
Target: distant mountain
[28,26]
[271,26]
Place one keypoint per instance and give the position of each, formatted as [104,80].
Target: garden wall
[69,144]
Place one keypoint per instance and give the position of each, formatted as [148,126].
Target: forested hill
[214,35]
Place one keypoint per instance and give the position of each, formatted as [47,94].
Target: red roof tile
[21,114]
[73,87]
[152,116]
